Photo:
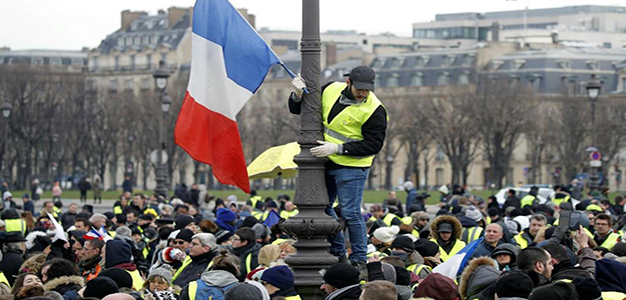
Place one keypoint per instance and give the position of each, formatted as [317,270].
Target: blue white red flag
[455,265]
[228,64]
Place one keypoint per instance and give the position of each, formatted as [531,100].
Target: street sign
[595,163]
[595,155]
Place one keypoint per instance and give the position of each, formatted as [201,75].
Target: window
[137,40]
[469,59]
[535,83]
[55,61]
[417,80]
[396,63]
[439,176]
[132,62]
[393,80]
[377,80]
[145,83]
[593,65]
[129,41]
[517,64]
[153,39]
[378,63]
[149,61]
[463,78]
[443,79]
[439,155]
[448,60]
[606,45]
[77,61]
[164,56]
[37,61]
[113,85]
[496,64]
[563,64]
[117,63]
[95,63]
[129,84]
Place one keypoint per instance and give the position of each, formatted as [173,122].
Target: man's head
[511,193]
[493,233]
[243,237]
[131,217]
[201,243]
[139,200]
[361,82]
[25,198]
[537,222]
[535,259]
[92,248]
[603,224]
[289,206]
[557,252]
[73,209]
[48,206]
[420,218]
[81,224]
[379,290]
[339,276]
[444,229]
[377,211]
[98,220]
[182,239]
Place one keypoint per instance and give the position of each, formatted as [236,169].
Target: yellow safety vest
[389,218]
[471,234]
[288,214]
[296,297]
[254,200]
[257,215]
[458,245]
[248,263]
[528,200]
[415,233]
[346,126]
[613,296]
[186,262]
[118,210]
[417,269]
[3,279]
[521,241]
[594,207]
[11,225]
[558,201]
[611,240]
[137,280]
[407,220]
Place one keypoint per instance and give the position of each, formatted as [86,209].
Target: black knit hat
[120,276]
[182,221]
[403,242]
[185,235]
[278,276]
[587,288]
[426,248]
[559,290]
[341,275]
[403,276]
[222,236]
[100,287]
[243,291]
[514,284]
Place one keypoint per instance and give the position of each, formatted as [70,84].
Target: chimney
[128,16]
[250,17]
[331,54]
[175,14]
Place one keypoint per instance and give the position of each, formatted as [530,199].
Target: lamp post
[311,225]
[6,113]
[593,92]
[129,164]
[161,76]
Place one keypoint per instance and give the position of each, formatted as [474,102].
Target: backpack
[206,292]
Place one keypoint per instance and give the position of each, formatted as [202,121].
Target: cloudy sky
[73,24]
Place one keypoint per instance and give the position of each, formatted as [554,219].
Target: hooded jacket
[242,253]
[351,292]
[611,275]
[213,279]
[67,286]
[457,229]
[194,270]
[478,275]
[117,252]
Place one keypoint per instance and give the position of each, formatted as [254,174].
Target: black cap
[362,77]
[403,242]
[444,227]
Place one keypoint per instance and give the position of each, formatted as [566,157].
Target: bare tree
[569,127]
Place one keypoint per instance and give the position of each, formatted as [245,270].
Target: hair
[12,246]
[511,191]
[527,258]
[84,220]
[208,226]
[379,290]
[556,251]
[132,212]
[227,262]
[142,196]
[393,260]
[539,218]
[146,283]
[268,254]
[33,263]
[97,216]
[96,243]
[606,218]
[619,249]
[60,267]
[602,250]
[206,239]
[29,220]
[28,291]
[618,199]
[246,234]
[19,282]
[54,295]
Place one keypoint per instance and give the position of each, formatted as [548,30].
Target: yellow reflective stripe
[339,136]
[613,296]
[389,218]
[3,279]
[186,262]
[610,241]
[248,263]
[192,289]
[11,225]
[458,245]
[521,241]
[137,280]
[296,297]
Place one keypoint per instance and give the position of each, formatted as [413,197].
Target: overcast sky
[73,24]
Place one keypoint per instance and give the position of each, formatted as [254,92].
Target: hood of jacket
[64,283]
[404,292]
[117,252]
[351,292]
[611,275]
[10,214]
[218,278]
[467,222]
[479,273]
[456,226]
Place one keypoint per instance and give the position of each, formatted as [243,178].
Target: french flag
[229,63]
[454,266]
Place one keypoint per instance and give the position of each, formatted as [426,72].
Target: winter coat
[67,286]
[242,254]
[484,249]
[10,265]
[67,220]
[611,275]
[477,275]
[216,279]
[351,292]
[457,228]
[194,270]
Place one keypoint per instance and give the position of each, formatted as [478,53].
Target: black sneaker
[343,259]
[361,266]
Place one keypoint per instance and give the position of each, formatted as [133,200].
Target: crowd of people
[158,249]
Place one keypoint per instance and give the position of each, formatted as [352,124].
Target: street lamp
[161,76]
[6,113]
[129,165]
[593,92]
[311,225]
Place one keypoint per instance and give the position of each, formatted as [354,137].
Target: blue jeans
[347,185]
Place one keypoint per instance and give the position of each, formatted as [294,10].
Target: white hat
[408,185]
[6,195]
[444,189]
[523,221]
[474,214]
[386,234]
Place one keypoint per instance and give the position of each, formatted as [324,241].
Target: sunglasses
[179,242]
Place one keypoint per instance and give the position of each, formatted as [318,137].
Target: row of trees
[60,129]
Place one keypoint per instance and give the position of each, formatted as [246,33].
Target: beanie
[123,231]
[117,252]
[170,255]
[243,291]
[226,215]
[493,212]
[164,271]
[386,234]
[278,276]
[120,276]
[559,290]
[403,242]
[426,248]
[514,284]
[437,286]
[261,230]
[587,288]
[182,221]
[100,287]
[474,214]
[341,275]
[403,276]
[185,235]
[222,236]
